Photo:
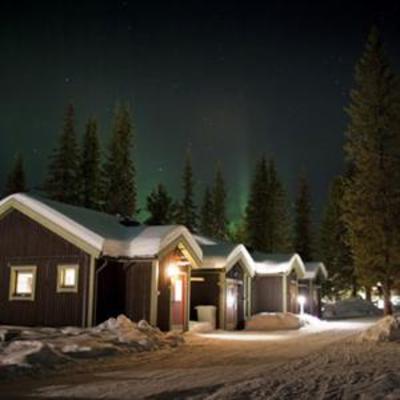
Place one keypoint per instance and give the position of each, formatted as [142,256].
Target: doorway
[110,291]
[234,305]
[179,296]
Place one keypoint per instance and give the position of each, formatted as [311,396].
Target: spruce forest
[358,237]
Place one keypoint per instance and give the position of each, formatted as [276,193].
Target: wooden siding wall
[138,290]
[205,293]
[267,294]
[26,242]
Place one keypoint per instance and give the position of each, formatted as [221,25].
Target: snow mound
[200,327]
[46,347]
[124,330]
[281,321]
[273,322]
[311,320]
[350,308]
[30,352]
[386,329]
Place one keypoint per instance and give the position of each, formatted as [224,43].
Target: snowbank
[350,308]
[200,327]
[47,347]
[385,330]
[311,320]
[281,321]
[273,322]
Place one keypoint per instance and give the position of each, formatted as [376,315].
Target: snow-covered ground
[25,349]
[319,361]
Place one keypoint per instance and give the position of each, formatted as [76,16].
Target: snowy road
[311,363]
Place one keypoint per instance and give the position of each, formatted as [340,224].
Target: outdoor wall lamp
[172,271]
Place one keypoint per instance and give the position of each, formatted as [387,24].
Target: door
[292,296]
[232,294]
[178,302]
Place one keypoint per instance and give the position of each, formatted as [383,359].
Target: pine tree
[187,209]
[63,179]
[237,232]
[257,208]
[334,250]
[207,214]
[16,181]
[91,168]
[302,222]
[119,169]
[278,224]
[160,206]
[219,195]
[372,193]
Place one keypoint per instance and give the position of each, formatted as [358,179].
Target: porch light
[172,271]
[301,300]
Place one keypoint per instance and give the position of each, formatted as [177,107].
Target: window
[67,278]
[22,282]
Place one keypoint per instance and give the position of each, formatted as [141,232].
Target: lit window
[67,280]
[22,282]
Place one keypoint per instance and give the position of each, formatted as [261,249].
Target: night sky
[231,81]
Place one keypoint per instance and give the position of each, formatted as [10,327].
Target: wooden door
[232,295]
[292,296]
[178,302]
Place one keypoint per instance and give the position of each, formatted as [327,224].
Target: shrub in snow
[350,308]
[385,330]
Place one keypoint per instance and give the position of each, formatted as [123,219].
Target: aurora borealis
[230,81]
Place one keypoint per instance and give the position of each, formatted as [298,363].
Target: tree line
[359,235]
[80,174]
[360,238]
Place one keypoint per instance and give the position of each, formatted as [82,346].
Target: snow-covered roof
[312,269]
[276,264]
[102,232]
[221,254]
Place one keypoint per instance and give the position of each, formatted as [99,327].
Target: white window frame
[67,289]
[14,270]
